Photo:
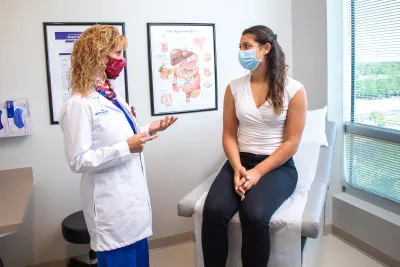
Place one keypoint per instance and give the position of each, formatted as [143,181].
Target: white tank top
[261,130]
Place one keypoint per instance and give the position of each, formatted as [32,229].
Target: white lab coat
[114,189]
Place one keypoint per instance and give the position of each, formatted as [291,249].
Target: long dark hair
[276,65]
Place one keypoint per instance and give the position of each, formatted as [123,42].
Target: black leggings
[255,212]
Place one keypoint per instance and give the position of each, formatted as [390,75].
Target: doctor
[103,141]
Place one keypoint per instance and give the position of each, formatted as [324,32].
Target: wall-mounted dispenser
[14,118]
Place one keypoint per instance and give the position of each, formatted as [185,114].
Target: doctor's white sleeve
[76,124]
[144,129]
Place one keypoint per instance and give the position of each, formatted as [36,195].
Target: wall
[310,49]
[318,64]
[370,226]
[336,92]
[176,162]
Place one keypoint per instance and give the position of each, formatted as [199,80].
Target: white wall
[318,64]
[336,104]
[310,49]
[368,223]
[176,162]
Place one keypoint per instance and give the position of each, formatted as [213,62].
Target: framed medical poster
[59,40]
[182,68]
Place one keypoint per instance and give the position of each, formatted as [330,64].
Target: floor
[336,253]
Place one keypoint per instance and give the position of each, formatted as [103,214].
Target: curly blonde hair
[87,59]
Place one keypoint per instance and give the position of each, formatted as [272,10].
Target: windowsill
[374,210]
[373,199]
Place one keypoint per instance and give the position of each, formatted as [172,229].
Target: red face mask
[114,67]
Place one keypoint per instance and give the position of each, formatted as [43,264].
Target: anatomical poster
[182,62]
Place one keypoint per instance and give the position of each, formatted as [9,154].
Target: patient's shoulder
[240,84]
[292,87]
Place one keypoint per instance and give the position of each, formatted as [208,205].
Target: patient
[264,117]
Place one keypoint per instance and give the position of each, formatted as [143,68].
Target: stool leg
[75,263]
[93,258]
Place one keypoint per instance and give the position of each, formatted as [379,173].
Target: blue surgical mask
[248,60]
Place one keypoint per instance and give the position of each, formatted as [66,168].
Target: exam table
[313,215]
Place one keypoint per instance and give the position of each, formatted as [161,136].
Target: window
[372,139]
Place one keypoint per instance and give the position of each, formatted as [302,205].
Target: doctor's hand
[136,143]
[161,125]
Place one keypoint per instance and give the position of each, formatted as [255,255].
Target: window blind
[373,49]
[373,38]
[373,165]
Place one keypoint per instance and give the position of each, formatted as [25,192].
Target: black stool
[75,231]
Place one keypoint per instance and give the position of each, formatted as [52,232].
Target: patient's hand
[239,180]
[252,179]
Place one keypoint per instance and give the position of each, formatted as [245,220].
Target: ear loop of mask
[263,54]
[249,71]
[109,59]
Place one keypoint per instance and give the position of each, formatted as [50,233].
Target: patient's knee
[253,217]
[216,213]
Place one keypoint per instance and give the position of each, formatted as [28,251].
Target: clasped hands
[244,180]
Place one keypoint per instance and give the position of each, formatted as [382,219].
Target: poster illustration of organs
[182,65]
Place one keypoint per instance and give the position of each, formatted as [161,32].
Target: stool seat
[74,229]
